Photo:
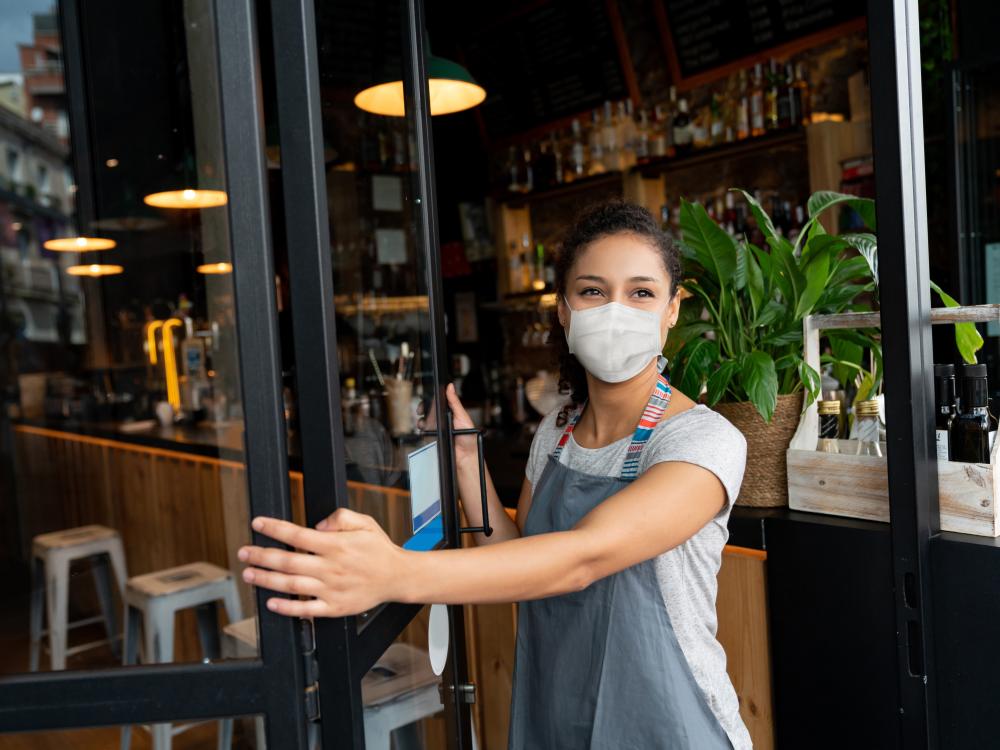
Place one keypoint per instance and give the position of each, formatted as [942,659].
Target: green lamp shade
[451,88]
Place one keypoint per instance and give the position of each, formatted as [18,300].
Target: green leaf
[781,338]
[713,246]
[848,355]
[810,380]
[740,272]
[849,269]
[772,312]
[867,245]
[967,338]
[760,381]
[787,276]
[816,273]
[719,381]
[755,280]
[764,223]
[821,200]
[697,359]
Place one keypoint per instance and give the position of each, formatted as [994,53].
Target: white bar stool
[51,557]
[400,689]
[152,602]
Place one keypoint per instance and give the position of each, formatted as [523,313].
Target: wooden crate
[843,484]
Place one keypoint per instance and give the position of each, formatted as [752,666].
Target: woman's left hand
[354,565]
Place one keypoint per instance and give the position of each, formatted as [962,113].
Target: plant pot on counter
[765,483]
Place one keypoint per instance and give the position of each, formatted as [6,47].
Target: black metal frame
[897,121]
[345,652]
[272,685]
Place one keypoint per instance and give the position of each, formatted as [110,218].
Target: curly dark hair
[594,222]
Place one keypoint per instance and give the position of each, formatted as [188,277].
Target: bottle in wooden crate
[970,431]
[944,398]
[869,428]
[829,426]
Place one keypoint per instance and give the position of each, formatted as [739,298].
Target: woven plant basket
[765,483]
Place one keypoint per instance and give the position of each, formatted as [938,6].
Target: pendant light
[78,244]
[188,196]
[94,270]
[451,88]
[215,268]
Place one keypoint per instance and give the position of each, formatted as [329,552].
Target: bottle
[716,131]
[944,401]
[829,426]
[516,275]
[771,96]
[757,102]
[868,428]
[786,100]
[539,282]
[529,173]
[597,165]
[802,102]
[743,109]
[970,436]
[527,264]
[578,154]
[682,127]
[609,139]
[628,133]
[348,403]
[661,133]
[642,151]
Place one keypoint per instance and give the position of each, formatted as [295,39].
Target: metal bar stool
[152,602]
[52,554]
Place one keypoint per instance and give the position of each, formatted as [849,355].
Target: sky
[15,27]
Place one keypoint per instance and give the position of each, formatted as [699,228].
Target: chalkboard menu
[549,61]
[707,34]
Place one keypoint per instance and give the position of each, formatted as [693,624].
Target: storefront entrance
[213,149]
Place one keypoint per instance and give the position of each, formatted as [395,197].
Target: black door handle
[485,529]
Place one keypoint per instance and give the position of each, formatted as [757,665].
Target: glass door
[349,124]
[142,424]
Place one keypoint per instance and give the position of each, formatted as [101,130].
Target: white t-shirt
[687,573]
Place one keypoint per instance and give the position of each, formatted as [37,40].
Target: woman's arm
[355,566]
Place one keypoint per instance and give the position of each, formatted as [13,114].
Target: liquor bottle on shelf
[660,139]
[538,284]
[716,131]
[971,436]
[527,264]
[578,154]
[757,102]
[629,133]
[743,109]
[787,106]
[802,103]
[682,127]
[555,149]
[771,96]
[529,172]
[944,398]
[642,132]
[609,139]
[701,121]
[597,156]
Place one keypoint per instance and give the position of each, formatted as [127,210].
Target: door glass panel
[380,274]
[203,735]
[401,694]
[121,433]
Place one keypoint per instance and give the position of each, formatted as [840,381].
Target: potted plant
[738,344]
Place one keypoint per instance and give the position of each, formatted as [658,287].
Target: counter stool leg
[208,630]
[101,570]
[37,611]
[57,593]
[130,654]
[159,625]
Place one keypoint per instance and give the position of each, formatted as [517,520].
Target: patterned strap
[657,404]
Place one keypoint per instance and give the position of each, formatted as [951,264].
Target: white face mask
[614,342]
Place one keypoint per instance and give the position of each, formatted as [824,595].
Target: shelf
[523,302]
[781,139]
[605,179]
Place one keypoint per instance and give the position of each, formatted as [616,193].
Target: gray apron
[601,668]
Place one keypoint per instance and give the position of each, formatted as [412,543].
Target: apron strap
[658,402]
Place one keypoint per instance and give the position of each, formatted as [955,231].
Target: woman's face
[622,268]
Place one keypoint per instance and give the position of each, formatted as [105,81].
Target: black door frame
[271,685]
[345,651]
[904,290]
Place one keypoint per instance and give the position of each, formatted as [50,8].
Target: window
[13,165]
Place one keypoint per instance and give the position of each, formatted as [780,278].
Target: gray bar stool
[152,602]
[51,557]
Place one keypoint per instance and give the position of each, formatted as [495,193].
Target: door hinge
[466,691]
[310,670]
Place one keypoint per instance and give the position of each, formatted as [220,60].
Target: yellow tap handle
[170,363]
[151,330]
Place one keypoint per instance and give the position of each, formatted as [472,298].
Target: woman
[620,525]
